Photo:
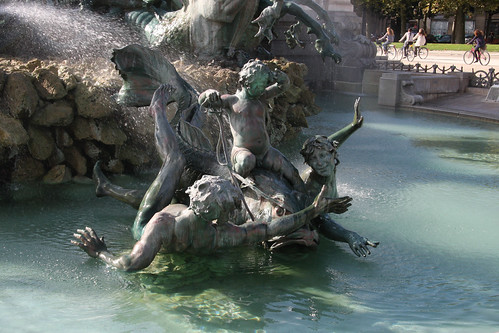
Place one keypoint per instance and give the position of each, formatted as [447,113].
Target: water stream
[63,32]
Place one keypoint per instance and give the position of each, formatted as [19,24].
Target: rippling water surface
[425,186]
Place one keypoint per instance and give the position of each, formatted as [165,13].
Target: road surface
[449,58]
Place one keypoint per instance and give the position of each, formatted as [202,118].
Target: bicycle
[483,56]
[391,51]
[422,52]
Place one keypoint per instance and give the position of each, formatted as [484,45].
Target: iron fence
[479,79]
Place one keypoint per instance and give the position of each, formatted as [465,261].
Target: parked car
[431,38]
[468,37]
[443,38]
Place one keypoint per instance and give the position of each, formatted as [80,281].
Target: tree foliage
[406,10]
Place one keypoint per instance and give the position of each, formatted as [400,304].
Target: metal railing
[483,79]
[479,79]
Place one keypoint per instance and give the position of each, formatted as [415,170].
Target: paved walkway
[469,104]
[449,58]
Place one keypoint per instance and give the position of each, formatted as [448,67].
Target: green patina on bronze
[284,208]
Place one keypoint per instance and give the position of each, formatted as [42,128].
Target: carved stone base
[407,94]
[398,88]
[348,79]
[493,94]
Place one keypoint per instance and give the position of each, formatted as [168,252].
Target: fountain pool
[425,186]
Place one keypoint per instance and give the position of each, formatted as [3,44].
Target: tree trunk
[458,32]
[403,21]
[488,19]
[430,5]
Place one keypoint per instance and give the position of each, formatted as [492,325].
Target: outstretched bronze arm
[343,134]
[280,85]
[332,230]
[140,257]
[257,232]
[212,100]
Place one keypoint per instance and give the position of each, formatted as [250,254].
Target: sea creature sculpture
[208,223]
[267,18]
[292,36]
[210,29]
[187,155]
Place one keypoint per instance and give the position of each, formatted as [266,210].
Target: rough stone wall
[56,121]
[55,124]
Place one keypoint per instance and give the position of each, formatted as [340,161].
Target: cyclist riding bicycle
[408,39]
[420,40]
[479,43]
[389,37]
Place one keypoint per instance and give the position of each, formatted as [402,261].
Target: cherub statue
[246,110]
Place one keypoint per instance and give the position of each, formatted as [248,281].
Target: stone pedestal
[357,52]
[493,94]
[370,81]
[348,78]
[403,88]
[389,88]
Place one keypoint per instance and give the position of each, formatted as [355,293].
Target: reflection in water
[467,149]
[423,185]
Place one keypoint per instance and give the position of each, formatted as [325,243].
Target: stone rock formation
[56,121]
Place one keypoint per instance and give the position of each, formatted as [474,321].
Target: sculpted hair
[252,69]
[213,189]
[317,142]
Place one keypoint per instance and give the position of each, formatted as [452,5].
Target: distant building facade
[440,25]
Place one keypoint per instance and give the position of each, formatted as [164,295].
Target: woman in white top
[420,40]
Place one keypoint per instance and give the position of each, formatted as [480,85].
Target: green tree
[401,10]
[489,7]
[406,10]
[459,9]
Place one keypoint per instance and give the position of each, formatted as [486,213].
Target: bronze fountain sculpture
[204,199]
[277,211]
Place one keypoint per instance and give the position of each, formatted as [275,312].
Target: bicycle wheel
[468,57]
[392,53]
[399,53]
[484,58]
[379,50]
[410,54]
[423,52]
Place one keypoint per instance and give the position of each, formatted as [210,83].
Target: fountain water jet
[73,34]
